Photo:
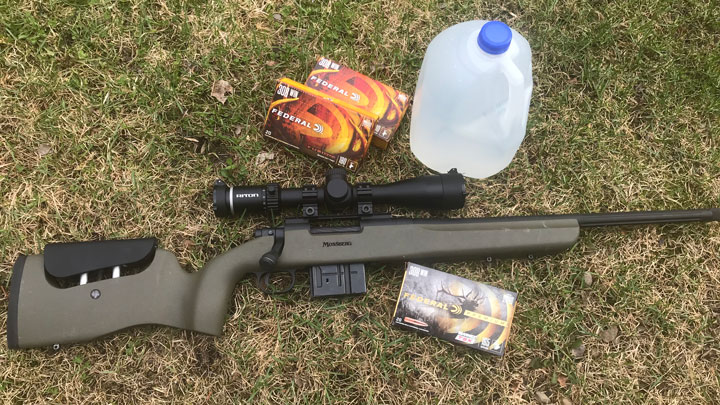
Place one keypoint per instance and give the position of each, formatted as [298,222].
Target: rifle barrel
[640,218]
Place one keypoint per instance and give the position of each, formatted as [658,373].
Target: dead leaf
[270,63]
[609,334]
[562,381]
[578,352]
[43,150]
[263,157]
[238,130]
[277,17]
[542,397]
[565,401]
[220,90]
[587,279]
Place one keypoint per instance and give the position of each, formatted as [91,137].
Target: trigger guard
[266,279]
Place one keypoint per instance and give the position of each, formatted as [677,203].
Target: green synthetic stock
[42,314]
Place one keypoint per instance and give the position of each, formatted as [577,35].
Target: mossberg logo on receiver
[331,244]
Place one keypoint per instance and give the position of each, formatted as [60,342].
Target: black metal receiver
[328,280]
[441,191]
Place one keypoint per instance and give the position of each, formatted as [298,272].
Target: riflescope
[440,191]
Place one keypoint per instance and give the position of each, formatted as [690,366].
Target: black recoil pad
[12,312]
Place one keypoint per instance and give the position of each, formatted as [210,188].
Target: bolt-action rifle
[79,291]
[132,282]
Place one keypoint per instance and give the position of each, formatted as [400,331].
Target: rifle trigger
[259,281]
[266,282]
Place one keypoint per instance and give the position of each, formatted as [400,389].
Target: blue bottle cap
[494,37]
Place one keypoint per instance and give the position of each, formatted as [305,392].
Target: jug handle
[515,92]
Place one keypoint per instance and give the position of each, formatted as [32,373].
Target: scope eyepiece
[440,191]
[221,199]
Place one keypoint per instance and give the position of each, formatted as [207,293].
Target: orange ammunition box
[319,125]
[361,91]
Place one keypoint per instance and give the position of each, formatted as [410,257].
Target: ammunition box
[319,125]
[455,309]
[361,91]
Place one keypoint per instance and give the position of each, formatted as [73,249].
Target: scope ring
[272,196]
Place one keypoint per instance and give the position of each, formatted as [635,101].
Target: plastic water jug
[472,99]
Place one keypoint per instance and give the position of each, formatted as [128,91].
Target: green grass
[624,116]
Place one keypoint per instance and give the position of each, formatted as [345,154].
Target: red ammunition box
[319,125]
[455,309]
[361,91]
